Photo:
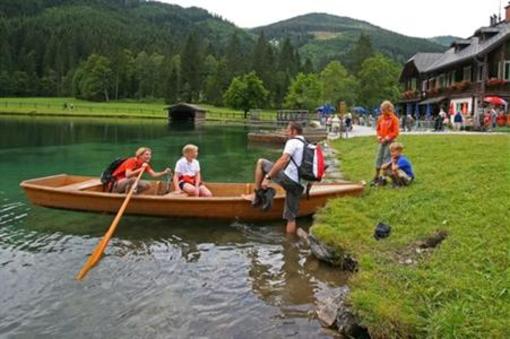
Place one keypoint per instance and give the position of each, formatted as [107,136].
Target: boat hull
[230,207]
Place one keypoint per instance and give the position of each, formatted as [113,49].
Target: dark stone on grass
[382,231]
[433,240]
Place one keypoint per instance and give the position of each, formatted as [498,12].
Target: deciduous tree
[246,92]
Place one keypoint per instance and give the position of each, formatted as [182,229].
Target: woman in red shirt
[125,175]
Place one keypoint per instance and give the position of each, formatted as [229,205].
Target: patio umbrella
[428,113]
[495,100]
[359,110]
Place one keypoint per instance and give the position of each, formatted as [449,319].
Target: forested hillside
[42,42]
[323,37]
[116,49]
[444,40]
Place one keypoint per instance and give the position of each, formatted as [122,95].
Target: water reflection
[159,277]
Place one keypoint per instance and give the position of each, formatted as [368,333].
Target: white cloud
[409,17]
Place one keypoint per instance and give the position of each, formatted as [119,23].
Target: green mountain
[444,40]
[37,35]
[322,37]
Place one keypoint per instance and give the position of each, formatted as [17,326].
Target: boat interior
[74,183]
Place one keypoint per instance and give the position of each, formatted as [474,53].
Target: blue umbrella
[428,114]
[360,110]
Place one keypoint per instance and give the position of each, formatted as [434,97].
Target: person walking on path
[387,131]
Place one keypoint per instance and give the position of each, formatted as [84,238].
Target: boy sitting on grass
[398,169]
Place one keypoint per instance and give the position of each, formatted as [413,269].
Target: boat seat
[80,186]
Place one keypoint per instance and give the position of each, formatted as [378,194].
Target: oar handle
[98,251]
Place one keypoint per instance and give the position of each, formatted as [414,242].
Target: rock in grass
[327,253]
[336,313]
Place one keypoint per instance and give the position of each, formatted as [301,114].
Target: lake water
[159,278]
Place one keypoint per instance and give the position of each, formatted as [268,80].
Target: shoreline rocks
[336,314]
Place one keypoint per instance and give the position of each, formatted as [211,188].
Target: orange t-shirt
[388,126]
[131,164]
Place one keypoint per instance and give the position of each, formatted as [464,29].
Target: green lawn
[128,108]
[460,289]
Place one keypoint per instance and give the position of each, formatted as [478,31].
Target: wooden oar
[98,251]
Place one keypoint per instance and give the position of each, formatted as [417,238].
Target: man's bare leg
[291,226]
[259,174]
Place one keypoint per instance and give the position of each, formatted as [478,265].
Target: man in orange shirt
[125,175]
[387,131]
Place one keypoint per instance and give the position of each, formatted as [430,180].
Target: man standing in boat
[285,173]
[125,175]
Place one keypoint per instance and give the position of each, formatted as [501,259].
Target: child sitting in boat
[187,176]
[125,175]
[398,169]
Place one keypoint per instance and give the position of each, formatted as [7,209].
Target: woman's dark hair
[296,126]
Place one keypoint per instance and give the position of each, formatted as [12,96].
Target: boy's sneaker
[379,181]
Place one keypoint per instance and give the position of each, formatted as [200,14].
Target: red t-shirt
[131,164]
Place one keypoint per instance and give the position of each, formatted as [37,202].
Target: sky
[419,18]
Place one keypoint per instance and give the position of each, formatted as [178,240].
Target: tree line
[50,54]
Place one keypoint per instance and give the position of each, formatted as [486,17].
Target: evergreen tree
[6,84]
[361,51]
[263,63]
[191,69]
[21,83]
[216,84]
[234,57]
[173,82]
[308,66]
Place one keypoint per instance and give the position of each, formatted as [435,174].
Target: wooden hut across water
[183,112]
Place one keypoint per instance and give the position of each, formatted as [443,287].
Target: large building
[463,77]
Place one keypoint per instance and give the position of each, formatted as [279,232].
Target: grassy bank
[125,109]
[459,289]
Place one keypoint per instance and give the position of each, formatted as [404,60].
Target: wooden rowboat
[86,194]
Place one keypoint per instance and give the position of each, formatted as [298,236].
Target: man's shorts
[383,155]
[292,189]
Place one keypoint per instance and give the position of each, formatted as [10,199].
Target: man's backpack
[107,178]
[312,165]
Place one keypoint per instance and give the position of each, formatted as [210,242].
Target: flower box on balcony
[495,82]
[409,94]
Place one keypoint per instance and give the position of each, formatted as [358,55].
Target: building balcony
[410,94]
[497,84]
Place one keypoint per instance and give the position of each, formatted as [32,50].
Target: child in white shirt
[187,176]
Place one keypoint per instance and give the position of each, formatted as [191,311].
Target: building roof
[422,61]
[469,48]
[185,107]
[475,48]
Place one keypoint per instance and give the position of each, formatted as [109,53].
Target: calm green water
[163,278]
